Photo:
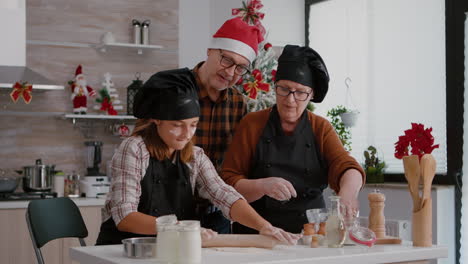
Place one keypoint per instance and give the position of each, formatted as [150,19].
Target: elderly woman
[156,171]
[282,158]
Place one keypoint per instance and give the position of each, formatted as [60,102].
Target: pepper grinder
[376,215]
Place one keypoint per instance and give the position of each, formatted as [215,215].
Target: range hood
[13,49]
[9,75]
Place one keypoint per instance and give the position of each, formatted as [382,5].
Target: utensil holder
[422,225]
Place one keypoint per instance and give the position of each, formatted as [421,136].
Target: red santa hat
[237,36]
[78,71]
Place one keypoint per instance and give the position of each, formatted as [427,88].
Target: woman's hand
[278,188]
[350,205]
[280,234]
[207,234]
[350,184]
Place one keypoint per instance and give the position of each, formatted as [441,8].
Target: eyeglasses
[298,95]
[228,63]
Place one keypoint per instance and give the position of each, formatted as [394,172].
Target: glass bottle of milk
[336,231]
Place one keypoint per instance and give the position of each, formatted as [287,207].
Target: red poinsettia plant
[418,138]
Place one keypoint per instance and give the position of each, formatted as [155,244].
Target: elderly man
[232,49]
[283,157]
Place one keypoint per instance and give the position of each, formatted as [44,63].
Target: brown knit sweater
[242,149]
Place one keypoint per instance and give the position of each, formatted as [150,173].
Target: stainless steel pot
[38,178]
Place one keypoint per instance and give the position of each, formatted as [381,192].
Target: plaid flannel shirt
[129,165]
[218,121]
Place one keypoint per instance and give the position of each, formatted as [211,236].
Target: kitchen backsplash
[35,130]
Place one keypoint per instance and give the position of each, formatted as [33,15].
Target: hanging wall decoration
[23,90]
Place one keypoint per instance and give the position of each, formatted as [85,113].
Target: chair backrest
[54,218]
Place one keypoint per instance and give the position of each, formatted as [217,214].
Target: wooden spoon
[412,173]
[428,168]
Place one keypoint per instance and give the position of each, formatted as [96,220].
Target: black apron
[295,158]
[165,189]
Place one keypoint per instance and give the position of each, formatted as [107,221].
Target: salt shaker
[136,31]
[145,32]
[189,243]
[376,214]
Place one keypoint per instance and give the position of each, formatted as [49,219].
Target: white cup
[59,184]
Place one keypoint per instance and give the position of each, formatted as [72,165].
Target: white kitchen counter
[280,254]
[78,201]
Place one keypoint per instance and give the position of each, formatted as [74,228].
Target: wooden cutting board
[388,240]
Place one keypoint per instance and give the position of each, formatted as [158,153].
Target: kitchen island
[113,254]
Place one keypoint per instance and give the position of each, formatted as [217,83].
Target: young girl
[156,171]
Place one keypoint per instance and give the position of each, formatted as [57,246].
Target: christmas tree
[108,97]
[258,85]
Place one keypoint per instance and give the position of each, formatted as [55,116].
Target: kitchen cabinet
[16,245]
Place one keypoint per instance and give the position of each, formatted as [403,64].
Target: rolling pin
[258,241]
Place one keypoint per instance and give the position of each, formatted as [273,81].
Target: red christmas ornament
[273,75]
[124,131]
[239,82]
[267,46]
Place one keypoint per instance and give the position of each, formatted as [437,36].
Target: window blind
[396,61]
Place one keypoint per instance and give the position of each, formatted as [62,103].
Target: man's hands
[279,234]
[278,188]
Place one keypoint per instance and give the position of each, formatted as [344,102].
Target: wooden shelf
[88,123]
[103,47]
[107,117]
[139,48]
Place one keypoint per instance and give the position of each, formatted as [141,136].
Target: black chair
[53,218]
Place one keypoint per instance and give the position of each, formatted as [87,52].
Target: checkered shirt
[218,121]
[129,165]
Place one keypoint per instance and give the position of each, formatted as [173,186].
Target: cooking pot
[8,183]
[37,178]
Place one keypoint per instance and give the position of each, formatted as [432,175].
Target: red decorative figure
[80,92]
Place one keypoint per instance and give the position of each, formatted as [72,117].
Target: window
[394,53]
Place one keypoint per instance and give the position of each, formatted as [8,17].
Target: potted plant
[343,131]
[373,166]
[349,117]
